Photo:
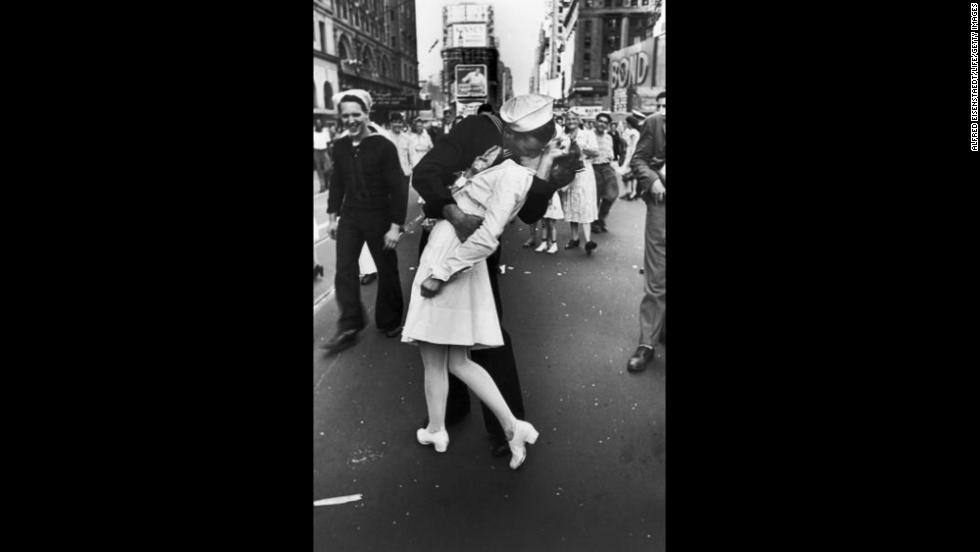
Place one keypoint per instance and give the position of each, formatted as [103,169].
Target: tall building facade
[555,51]
[372,45]
[604,27]
[472,71]
[325,61]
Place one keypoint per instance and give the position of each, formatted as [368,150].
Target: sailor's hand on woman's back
[463,224]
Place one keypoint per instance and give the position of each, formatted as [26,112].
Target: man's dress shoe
[638,362]
[499,446]
[393,332]
[340,341]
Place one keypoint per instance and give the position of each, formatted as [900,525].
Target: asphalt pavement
[595,480]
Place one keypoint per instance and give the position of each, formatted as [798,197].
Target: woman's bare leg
[435,359]
[477,379]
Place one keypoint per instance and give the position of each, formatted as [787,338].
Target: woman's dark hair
[355,99]
[605,116]
[662,95]
[543,133]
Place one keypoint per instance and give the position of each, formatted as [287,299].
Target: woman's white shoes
[554,248]
[439,440]
[524,433]
[542,248]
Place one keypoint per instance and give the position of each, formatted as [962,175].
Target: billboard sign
[467,13]
[467,109]
[632,66]
[619,100]
[407,102]
[586,111]
[471,81]
[468,35]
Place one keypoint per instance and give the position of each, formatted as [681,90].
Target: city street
[324,246]
[595,480]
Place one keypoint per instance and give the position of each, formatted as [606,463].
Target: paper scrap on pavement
[338,500]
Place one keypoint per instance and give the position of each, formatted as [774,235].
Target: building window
[343,50]
[587,26]
[343,9]
[367,62]
[327,95]
[314,94]
[586,72]
[323,38]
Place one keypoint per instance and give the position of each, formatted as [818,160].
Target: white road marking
[338,500]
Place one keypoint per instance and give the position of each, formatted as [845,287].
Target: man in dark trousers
[367,204]
[524,127]
[649,164]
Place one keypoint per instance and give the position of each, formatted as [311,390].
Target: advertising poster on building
[468,35]
[471,81]
[466,13]
[630,69]
[586,111]
[467,109]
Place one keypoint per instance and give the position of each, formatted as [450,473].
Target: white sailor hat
[528,112]
[362,95]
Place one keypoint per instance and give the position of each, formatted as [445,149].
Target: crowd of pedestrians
[473,176]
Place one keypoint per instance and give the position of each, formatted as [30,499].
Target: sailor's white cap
[528,112]
[362,95]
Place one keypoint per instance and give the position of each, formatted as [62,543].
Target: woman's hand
[332,229]
[431,287]
[391,237]
[553,148]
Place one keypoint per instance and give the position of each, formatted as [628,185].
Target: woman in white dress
[581,207]
[452,310]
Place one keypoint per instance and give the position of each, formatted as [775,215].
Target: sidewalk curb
[322,298]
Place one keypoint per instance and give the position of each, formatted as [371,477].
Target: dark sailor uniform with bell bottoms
[370,194]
